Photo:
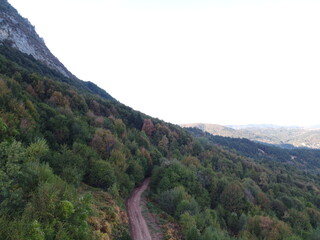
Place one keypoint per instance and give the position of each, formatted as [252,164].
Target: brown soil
[139,229]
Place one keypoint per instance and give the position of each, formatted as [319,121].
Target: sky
[186,61]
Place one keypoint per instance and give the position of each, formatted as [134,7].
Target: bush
[101,174]
[169,200]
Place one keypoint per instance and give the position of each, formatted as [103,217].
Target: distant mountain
[286,137]
[255,126]
[70,155]
[214,129]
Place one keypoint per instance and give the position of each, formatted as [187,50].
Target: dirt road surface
[138,226]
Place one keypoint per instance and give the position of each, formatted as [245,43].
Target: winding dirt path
[138,226]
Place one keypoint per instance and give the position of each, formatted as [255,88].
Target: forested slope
[284,137]
[252,197]
[302,158]
[57,133]
[70,155]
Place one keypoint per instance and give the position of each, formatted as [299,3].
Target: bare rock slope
[20,34]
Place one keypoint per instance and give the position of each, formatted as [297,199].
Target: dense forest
[303,158]
[70,155]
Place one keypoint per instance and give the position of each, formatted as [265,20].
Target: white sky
[222,61]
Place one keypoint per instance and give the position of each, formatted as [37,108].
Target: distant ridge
[255,126]
[266,133]
[70,156]
[215,129]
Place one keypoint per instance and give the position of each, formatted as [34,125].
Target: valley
[285,137]
[75,163]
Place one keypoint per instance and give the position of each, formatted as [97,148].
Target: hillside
[286,137]
[18,32]
[70,155]
[302,158]
[214,129]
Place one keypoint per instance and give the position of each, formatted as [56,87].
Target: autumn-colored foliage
[57,134]
[148,127]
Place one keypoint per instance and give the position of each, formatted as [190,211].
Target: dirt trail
[138,226]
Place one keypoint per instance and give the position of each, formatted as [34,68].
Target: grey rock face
[22,35]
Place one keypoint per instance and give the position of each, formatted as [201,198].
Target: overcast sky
[223,61]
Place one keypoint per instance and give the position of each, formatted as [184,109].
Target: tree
[233,198]
[36,233]
[212,234]
[314,216]
[170,199]
[191,206]
[263,200]
[101,174]
[118,160]
[148,127]
[278,207]
[263,227]
[60,210]
[299,221]
[37,150]
[191,161]
[11,194]
[164,144]
[3,128]
[120,128]
[103,142]
[207,218]
[135,171]
[192,234]
[189,227]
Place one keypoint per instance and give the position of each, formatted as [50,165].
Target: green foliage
[37,150]
[170,200]
[3,127]
[233,198]
[299,221]
[315,234]
[303,157]
[11,173]
[101,174]
[136,171]
[34,199]
[67,209]
[213,234]
[57,206]
[190,206]
[36,232]
[118,160]
[192,233]
[14,229]
[187,221]
[57,133]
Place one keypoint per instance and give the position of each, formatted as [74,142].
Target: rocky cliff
[20,34]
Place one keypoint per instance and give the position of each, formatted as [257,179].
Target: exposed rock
[19,32]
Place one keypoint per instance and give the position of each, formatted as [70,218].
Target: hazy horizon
[259,125]
[227,62]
